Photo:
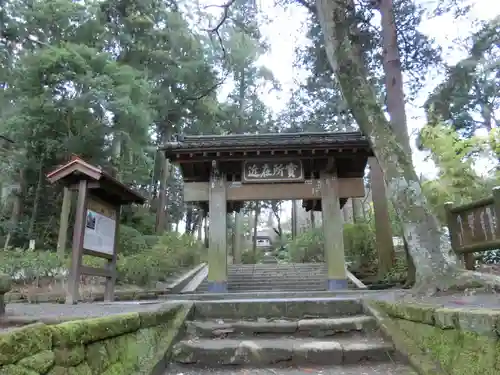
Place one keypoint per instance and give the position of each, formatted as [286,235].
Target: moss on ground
[443,340]
[121,344]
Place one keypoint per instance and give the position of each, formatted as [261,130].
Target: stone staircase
[275,277]
[236,336]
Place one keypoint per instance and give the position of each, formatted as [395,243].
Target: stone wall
[438,340]
[133,343]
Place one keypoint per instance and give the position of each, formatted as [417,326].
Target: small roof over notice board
[101,184]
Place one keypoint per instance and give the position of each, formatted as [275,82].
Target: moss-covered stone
[421,313]
[40,362]
[446,318]
[97,357]
[81,369]
[16,370]
[462,342]
[482,322]
[23,342]
[154,318]
[67,357]
[86,331]
[5,283]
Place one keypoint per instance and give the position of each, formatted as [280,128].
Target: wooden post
[217,252]
[333,230]
[64,222]
[496,204]
[383,232]
[109,288]
[72,294]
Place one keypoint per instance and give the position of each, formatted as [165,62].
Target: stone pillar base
[217,287]
[336,284]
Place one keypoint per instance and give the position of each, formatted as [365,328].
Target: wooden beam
[348,188]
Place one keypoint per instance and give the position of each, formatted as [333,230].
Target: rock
[5,283]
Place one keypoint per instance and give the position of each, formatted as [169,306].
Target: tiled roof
[203,142]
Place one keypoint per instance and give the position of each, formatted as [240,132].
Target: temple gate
[221,172]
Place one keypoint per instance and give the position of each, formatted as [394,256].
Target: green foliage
[169,255]
[130,241]
[359,244]
[248,256]
[398,272]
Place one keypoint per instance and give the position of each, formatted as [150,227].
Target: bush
[170,254]
[130,241]
[249,257]
[359,244]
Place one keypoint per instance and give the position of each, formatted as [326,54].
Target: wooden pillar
[72,293]
[383,232]
[109,288]
[217,252]
[238,237]
[333,230]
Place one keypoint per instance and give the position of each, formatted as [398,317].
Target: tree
[428,248]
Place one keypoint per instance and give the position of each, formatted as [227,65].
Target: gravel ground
[362,369]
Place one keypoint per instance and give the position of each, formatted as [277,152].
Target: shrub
[359,244]
[171,254]
[248,256]
[130,241]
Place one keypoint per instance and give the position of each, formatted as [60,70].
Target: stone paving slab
[52,311]
[362,369]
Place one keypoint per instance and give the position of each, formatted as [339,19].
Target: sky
[286,30]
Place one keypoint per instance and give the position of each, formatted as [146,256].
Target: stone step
[277,282]
[321,327]
[261,352]
[380,368]
[292,308]
[260,276]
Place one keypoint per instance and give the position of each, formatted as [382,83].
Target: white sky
[287,30]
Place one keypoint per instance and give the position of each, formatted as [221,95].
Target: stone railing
[438,340]
[125,344]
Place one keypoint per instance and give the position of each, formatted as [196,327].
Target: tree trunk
[161,210]
[36,203]
[427,245]
[64,222]
[358,215]
[348,212]
[395,94]
[255,226]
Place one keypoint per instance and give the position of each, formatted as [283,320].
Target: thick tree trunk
[426,244]
[395,94]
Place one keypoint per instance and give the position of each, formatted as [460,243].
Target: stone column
[217,252]
[333,230]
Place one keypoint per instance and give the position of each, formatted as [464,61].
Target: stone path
[267,336]
[362,369]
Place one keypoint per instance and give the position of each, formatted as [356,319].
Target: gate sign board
[476,225]
[100,197]
[100,228]
[272,171]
